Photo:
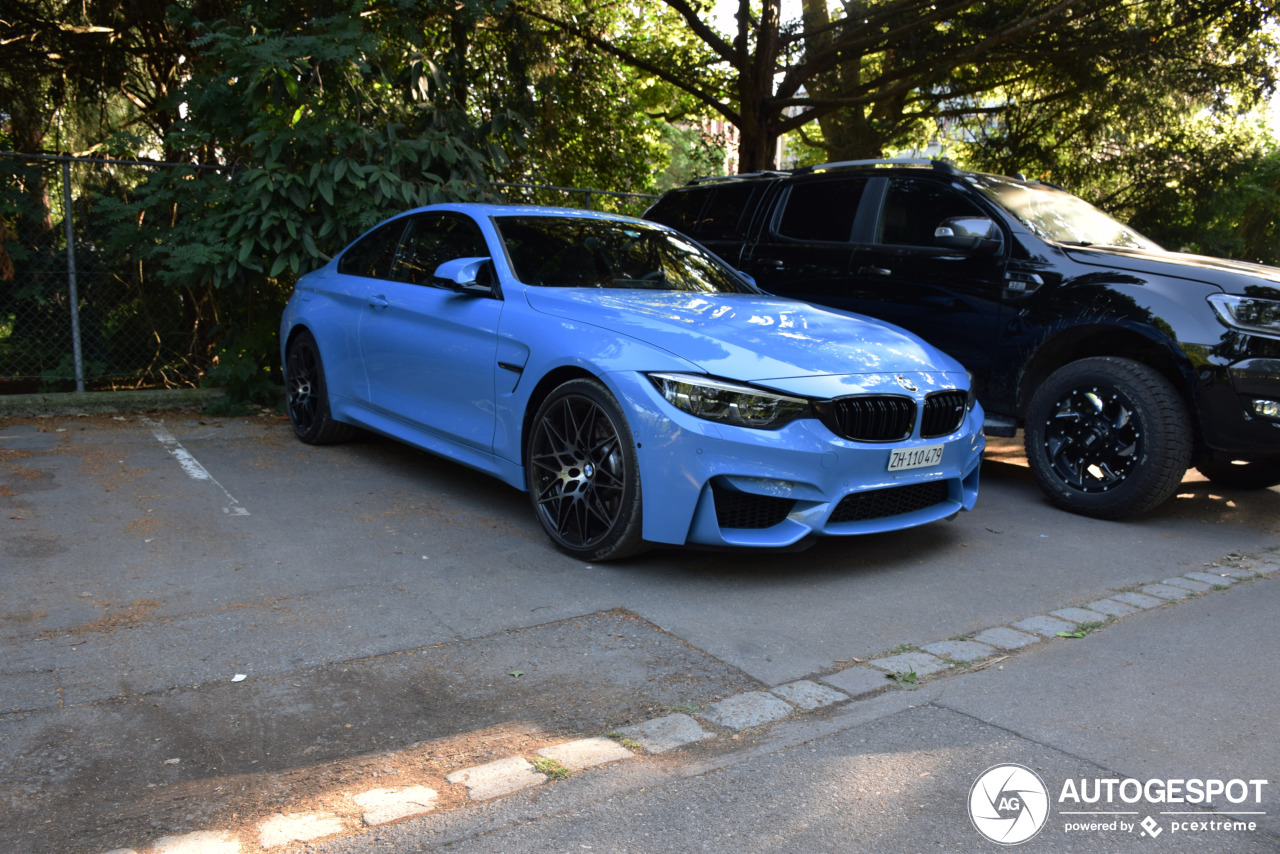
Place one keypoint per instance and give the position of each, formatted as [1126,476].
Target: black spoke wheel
[582,473]
[1107,437]
[307,395]
[1260,473]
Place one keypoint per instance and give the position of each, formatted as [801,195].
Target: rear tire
[307,395]
[1108,437]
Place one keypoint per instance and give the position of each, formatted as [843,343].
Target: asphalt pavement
[1184,692]
[219,640]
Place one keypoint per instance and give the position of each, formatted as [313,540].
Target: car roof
[487,209]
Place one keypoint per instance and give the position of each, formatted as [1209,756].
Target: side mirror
[971,234]
[466,275]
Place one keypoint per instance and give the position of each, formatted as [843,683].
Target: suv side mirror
[465,275]
[973,234]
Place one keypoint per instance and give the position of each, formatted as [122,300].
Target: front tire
[307,395]
[583,475]
[1108,437]
[1261,473]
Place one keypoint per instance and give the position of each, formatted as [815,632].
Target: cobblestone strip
[734,714]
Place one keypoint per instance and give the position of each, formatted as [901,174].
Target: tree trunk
[759,127]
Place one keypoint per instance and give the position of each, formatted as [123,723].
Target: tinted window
[913,210]
[432,239]
[728,211]
[371,255]
[822,210]
[679,209]
[583,252]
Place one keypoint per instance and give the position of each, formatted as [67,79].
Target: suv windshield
[578,252]
[1057,215]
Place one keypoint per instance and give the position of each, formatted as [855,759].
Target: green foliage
[1192,178]
[246,383]
[331,130]
[323,129]
[590,121]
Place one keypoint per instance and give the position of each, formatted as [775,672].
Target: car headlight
[729,403]
[1249,314]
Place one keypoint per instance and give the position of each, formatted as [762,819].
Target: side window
[430,240]
[914,208]
[679,209]
[728,211]
[822,210]
[371,256]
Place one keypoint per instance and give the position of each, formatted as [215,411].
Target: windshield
[578,252]
[1059,216]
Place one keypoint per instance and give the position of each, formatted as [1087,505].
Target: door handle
[874,271]
[378,302]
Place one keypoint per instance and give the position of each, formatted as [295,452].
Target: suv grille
[747,509]
[943,413]
[873,418]
[894,501]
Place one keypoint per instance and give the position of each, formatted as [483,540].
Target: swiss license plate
[915,458]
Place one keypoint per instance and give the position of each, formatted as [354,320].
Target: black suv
[1123,363]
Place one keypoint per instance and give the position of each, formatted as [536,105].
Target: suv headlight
[1249,314]
[729,403]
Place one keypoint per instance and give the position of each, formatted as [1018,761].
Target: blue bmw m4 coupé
[640,391]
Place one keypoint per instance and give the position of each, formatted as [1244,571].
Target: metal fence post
[72,292]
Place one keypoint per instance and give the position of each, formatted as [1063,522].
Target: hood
[747,337]
[1234,277]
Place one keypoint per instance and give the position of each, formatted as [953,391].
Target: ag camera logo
[1008,804]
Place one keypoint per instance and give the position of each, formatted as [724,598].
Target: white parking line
[191,465]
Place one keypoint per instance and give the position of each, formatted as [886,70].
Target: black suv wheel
[1107,437]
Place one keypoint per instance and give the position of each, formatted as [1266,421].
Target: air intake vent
[882,503]
[748,510]
[873,418]
[943,413]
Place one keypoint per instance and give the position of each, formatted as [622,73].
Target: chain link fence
[74,317]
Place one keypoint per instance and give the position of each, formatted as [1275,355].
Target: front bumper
[716,485]
[1233,415]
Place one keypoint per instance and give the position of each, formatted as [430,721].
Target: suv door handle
[874,271]
[378,302]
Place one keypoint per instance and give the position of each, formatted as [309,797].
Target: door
[805,250]
[430,353]
[951,299]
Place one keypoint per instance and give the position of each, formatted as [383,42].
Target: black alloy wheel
[1107,437]
[582,473]
[307,395]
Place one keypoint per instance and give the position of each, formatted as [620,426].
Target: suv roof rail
[940,165]
[765,174]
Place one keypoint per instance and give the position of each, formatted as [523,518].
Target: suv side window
[728,211]
[432,239]
[913,209]
[679,209]
[821,210]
